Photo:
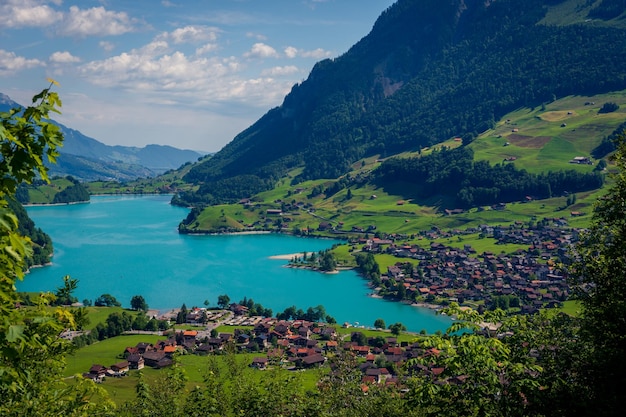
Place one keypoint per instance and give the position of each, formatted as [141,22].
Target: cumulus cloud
[318,53]
[278,71]
[291,52]
[156,69]
[10,63]
[28,13]
[96,21]
[63,58]
[205,49]
[192,34]
[261,50]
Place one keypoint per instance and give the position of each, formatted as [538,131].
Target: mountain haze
[88,159]
[429,70]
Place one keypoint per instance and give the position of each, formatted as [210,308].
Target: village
[288,344]
[529,279]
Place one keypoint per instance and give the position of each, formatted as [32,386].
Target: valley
[464,156]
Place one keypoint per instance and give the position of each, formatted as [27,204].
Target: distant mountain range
[87,159]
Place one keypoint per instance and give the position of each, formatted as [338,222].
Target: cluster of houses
[294,344]
[531,275]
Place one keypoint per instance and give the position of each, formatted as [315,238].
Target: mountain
[428,71]
[88,159]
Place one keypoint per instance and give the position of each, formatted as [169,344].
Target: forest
[477,183]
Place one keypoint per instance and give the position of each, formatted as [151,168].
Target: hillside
[359,202]
[87,159]
[427,72]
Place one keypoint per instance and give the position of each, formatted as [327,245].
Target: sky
[186,73]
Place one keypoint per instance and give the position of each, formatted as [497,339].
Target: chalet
[135,361]
[311,361]
[142,347]
[98,371]
[120,368]
[196,315]
[259,363]
[190,335]
[226,337]
[331,345]
[323,226]
[262,327]
[262,341]
[361,350]
[238,309]
[170,350]
[153,358]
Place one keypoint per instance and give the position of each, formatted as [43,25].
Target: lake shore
[247,232]
[55,204]
[286,257]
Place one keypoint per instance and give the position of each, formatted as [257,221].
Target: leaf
[15,332]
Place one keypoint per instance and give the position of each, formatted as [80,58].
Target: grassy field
[571,307]
[194,367]
[543,139]
[106,352]
[100,314]
[44,194]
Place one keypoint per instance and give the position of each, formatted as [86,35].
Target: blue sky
[186,73]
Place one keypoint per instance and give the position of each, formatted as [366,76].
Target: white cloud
[27,13]
[291,52]
[209,47]
[193,34]
[155,70]
[11,63]
[261,50]
[318,53]
[63,58]
[278,71]
[96,21]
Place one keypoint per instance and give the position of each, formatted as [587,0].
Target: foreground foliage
[31,352]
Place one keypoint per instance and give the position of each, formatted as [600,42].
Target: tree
[380,324]
[29,338]
[608,107]
[106,300]
[396,328]
[359,338]
[64,294]
[327,262]
[599,279]
[480,374]
[138,303]
[223,301]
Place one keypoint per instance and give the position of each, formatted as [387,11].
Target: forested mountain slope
[429,70]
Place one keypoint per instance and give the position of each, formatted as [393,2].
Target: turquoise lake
[129,245]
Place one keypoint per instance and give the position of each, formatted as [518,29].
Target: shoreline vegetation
[55,204]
